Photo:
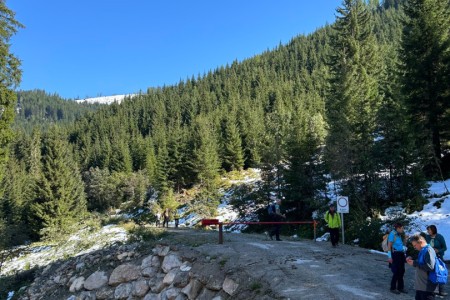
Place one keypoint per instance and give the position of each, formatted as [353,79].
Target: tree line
[363,102]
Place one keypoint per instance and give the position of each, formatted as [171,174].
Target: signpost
[343,207]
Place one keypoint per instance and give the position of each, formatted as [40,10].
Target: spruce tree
[425,55]
[10,76]
[60,200]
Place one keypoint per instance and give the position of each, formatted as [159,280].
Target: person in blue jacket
[397,259]
[437,242]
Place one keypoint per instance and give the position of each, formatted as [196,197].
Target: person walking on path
[437,242]
[423,264]
[396,259]
[276,216]
[334,223]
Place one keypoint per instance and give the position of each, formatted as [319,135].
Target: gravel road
[304,269]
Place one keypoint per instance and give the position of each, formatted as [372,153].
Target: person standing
[437,242]
[423,264]
[396,259]
[276,216]
[166,218]
[333,221]
[158,219]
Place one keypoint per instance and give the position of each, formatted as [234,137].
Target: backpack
[384,243]
[440,273]
[271,209]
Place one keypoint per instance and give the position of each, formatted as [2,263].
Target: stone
[140,288]
[123,291]
[229,286]
[168,279]
[170,262]
[170,293]
[161,250]
[206,294]
[192,289]
[156,284]
[104,293]
[124,273]
[151,296]
[96,280]
[149,272]
[77,285]
[181,279]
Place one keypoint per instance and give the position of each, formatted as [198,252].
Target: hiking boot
[395,292]
[403,291]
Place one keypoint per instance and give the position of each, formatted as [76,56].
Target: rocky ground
[190,264]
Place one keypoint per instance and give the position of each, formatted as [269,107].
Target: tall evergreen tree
[10,76]
[60,194]
[425,55]
[354,101]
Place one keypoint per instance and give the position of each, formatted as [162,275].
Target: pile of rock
[164,274]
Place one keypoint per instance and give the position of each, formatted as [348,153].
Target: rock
[186,266]
[230,286]
[105,293]
[123,291]
[80,266]
[170,293]
[149,272]
[170,262]
[214,283]
[151,296]
[124,273]
[77,285]
[140,288]
[156,284]
[206,294]
[161,250]
[181,279]
[72,298]
[192,289]
[168,279]
[85,295]
[96,280]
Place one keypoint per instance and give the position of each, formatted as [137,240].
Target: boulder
[124,273]
[96,280]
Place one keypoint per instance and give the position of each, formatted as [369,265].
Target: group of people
[165,217]
[430,246]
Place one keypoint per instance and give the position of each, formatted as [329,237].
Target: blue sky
[91,48]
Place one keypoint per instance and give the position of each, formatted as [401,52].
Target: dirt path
[308,270]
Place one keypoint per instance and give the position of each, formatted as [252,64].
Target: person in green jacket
[334,223]
[437,242]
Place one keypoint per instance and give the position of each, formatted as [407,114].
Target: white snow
[105,99]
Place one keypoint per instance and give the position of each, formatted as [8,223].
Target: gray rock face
[77,285]
[96,281]
[140,288]
[123,291]
[230,286]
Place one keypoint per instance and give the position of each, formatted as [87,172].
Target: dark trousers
[398,270]
[334,236]
[422,295]
[276,227]
[166,222]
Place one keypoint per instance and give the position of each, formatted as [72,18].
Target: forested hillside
[363,102]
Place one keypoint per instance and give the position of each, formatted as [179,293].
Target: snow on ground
[105,99]
[436,212]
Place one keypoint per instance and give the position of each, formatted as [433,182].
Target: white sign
[342,204]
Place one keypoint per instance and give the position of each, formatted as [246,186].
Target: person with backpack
[396,259]
[275,215]
[333,221]
[437,242]
[424,264]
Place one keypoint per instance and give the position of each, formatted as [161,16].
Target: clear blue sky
[90,48]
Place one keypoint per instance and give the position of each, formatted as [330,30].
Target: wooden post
[220,233]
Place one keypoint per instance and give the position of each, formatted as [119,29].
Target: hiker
[176,217]
[276,216]
[423,264]
[166,218]
[396,259]
[334,223]
[158,219]
[437,242]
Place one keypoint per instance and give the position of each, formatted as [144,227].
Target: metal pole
[343,236]
[220,233]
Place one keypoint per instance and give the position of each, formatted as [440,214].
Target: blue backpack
[440,273]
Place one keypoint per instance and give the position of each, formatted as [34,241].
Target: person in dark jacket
[437,242]
[423,264]
[276,216]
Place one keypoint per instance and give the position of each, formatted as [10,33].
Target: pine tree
[10,76]
[354,100]
[233,157]
[60,200]
[425,55]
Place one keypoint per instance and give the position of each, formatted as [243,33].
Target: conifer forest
[364,101]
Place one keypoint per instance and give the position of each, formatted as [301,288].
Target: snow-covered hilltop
[105,99]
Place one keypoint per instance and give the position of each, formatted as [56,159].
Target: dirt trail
[306,269]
